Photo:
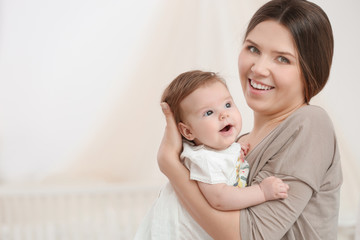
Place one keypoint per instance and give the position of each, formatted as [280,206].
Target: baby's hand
[245,148]
[274,188]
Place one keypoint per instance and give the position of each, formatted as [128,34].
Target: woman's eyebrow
[251,42]
[277,52]
[284,53]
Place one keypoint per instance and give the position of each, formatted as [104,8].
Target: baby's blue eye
[228,105]
[208,113]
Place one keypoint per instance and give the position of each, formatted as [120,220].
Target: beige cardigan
[303,152]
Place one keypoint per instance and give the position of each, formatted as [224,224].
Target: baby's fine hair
[183,85]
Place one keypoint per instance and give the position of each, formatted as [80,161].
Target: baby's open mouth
[226,128]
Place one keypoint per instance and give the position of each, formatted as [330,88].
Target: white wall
[63,65]
[80,83]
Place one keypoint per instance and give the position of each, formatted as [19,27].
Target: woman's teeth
[259,86]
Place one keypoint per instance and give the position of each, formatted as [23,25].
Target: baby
[210,123]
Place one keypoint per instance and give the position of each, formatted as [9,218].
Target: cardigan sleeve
[302,151]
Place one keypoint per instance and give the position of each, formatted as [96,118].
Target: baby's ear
[186,131]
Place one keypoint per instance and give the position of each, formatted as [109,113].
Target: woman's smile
[259,86]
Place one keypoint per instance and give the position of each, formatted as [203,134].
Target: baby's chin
[224,145]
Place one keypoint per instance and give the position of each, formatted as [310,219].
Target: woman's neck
[264,124]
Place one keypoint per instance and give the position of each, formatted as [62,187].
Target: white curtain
[81,83]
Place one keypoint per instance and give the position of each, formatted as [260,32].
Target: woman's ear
[186,131]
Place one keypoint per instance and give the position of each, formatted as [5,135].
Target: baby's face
[210,117]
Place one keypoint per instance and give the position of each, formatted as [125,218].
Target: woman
[285,61]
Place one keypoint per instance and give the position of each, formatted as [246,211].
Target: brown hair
[312,34]
[183,85]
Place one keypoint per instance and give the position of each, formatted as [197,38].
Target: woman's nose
[261,67]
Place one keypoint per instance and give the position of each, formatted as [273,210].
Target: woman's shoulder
[311,111]
[310,121]
[311,115]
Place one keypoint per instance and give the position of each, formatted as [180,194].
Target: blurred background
[80,122]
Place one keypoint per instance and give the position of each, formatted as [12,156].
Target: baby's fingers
[283,187]
[282,195]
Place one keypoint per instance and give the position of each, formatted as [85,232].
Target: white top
[211,166]
[167,219]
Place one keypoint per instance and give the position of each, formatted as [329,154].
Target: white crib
[73,213]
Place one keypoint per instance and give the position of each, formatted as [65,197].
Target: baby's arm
[224,197]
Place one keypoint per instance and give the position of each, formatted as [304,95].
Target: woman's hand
[171,144]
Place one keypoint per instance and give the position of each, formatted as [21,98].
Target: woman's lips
[259,86]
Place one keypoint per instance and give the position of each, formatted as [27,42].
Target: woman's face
[269,70]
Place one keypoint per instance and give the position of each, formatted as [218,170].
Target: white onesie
[168,219]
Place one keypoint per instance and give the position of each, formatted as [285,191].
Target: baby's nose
[223,115]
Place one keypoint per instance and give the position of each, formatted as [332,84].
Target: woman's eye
[228,105]
[283,59]
[253,49]
[208,113]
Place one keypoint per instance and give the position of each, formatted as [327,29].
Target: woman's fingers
[172,134]
[171,143]
[169,116]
